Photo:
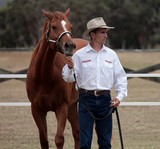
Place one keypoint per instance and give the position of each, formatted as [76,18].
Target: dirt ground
[140,124]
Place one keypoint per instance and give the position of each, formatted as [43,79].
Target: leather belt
[94,92]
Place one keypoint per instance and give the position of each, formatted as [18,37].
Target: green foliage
[136,22]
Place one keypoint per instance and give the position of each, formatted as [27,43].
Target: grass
[140,125]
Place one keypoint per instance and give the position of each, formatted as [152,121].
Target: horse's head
[58,31]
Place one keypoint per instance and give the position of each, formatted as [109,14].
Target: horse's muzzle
[68,48]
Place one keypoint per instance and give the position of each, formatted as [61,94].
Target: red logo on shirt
[108,61]
[85,61]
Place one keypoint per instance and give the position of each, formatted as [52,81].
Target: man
[97,70]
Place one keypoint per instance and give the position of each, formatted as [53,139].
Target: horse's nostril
[66,45]
[70,45]
[74,46]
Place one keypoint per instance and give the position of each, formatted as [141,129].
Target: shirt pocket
[108,64]
[87,64]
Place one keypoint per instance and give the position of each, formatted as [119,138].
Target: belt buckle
[95,93]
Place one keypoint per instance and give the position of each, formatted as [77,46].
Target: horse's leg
[61,115]
[40,119]
[73,119]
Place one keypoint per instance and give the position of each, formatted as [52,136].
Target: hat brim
[86,33]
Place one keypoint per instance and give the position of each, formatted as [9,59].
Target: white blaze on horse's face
[64,26]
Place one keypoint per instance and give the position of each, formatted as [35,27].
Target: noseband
[58,39]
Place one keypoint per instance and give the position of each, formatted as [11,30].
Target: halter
[58,39]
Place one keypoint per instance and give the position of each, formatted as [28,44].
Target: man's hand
[115,102]
[70,62]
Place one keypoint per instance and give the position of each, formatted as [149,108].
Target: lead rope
[110,112]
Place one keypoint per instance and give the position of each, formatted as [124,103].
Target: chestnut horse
[46,89]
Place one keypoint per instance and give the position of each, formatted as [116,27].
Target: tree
[22,23]
[136,22]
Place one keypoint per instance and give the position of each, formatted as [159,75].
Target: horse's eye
[53,27]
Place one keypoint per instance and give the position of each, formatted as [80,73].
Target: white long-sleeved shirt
[97,71]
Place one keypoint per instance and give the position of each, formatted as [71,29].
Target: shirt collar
[89,48]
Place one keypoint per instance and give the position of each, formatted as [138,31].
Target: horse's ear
[47,14]
[67,13]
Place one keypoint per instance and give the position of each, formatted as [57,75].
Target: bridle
[58,39]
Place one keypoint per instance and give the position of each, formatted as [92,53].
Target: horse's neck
[43,60]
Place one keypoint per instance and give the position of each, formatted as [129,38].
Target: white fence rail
[13,76]
[26,104]
[134,75]
[23,76]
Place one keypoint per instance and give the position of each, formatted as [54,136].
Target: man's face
[100,36]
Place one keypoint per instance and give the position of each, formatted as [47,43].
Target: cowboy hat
[94,24]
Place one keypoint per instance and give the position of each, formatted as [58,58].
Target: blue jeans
[99,106]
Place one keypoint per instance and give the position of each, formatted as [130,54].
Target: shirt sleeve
[120,80]
[68,74]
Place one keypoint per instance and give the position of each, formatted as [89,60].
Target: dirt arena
[140,124]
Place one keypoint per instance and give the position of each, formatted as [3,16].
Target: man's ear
[92,34]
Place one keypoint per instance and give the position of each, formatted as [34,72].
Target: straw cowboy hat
[94,24]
